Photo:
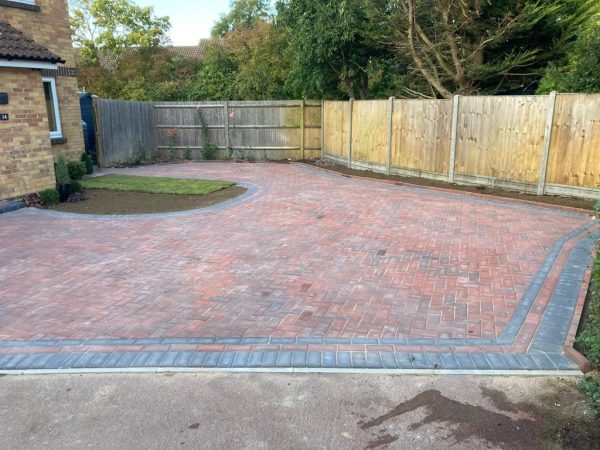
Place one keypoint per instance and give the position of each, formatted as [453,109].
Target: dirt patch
[556,423]
[104,201]
[548,199]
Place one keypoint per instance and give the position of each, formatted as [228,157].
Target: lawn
[155,185]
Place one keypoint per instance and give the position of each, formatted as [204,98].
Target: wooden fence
[249,130]
[124,131]
[540,144]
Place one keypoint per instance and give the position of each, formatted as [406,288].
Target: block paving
[307,269]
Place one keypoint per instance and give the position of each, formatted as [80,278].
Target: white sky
[190,20]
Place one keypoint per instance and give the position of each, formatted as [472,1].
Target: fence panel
[123,130]
[335,124]
[421,135]
[369,135]
[574,157]
[245,129]
[501,137]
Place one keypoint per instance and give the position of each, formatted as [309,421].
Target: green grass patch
[155,185]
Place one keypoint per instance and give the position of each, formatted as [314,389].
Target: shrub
[76,186]
[209,151]
[61,171]
[33,200]
[49,197]
[89,165]
[76,170]
[591,387]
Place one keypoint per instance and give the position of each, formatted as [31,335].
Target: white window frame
[58,132]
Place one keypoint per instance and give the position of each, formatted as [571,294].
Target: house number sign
[3,116]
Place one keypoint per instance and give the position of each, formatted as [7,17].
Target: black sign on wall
[3,116]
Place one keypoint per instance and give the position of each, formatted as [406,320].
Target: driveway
[307,269]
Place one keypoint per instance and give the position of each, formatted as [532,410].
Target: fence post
[350,104]
[98,126]
[226,124]
[322,131]
[455,104]
[541,188]
[302,127]
[389,134]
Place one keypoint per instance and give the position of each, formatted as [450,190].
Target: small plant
[172,139]
[89,165]
[187,154]
[76,186]
[209,149]
[33,200]
[597,206]
[229,152]
[49,197]
[61,171]
[76,169]
[591,388]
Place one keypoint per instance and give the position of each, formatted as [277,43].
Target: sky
[191,20]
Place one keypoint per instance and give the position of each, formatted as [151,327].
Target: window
[28,2]
[52,107]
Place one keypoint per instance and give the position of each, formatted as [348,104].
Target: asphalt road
[291,411]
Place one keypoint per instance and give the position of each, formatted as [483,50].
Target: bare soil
[104,201]
[548,199]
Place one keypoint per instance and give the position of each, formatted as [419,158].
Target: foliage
[114,25]
[141,74]
[243,14]
[61,171]
[208,148]
[76,170]
[581,71]
[588,340]
[591,387]
[331,46]
[246,64]
[49,197]
[475,46]
[33,200]
[89,165]
[597,206]
[155,185]
[76,186]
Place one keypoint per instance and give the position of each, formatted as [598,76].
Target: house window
[52,107]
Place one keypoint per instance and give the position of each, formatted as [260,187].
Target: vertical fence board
[369,131]
[335,133]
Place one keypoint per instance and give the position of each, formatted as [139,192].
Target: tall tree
[331,46]
[243,14]
[581,70]
[114,25]
[471,46]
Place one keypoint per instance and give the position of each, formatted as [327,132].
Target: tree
[243,14]
[114,25]
[472,46]
[331,46]
[246,64]
[581,71]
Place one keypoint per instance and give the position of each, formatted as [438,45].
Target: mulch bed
[548,199]
[104,201]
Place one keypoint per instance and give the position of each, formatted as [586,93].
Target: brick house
[40,117]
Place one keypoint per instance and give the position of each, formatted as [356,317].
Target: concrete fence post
[390,134]
[454,137]
[350,106]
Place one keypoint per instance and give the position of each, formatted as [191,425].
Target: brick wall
[48,26]
[26,160]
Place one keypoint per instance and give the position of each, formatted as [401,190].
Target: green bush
[76,169]
[591,387]
[76,186]
[89,165]
[209,151]
[49,197]
[61,171]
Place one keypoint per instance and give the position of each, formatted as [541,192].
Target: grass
[155,185]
